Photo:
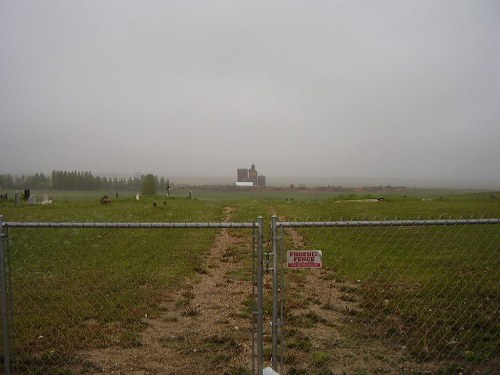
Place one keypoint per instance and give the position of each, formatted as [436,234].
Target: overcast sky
[369,89]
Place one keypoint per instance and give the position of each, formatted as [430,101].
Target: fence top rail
[384,223]
[221,225]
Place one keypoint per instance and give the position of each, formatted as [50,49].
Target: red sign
[305,258]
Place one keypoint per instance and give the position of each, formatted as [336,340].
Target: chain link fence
[130,298]
[392,297]
[162,298]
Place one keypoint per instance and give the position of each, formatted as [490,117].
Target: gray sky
[391,90]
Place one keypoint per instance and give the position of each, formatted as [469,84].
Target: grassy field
[83,288]
[86,288]
[433,290]
[285,194]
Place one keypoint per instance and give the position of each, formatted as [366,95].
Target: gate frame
[258,272]
[277,237]
[278,260]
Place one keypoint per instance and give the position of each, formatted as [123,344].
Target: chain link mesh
[391,299]
[101,300]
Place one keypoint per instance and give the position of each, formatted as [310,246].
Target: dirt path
[320,335]
[204,328]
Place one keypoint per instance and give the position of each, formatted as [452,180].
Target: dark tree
[149,184]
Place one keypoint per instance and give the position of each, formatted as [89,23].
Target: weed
[302,344]
[320,358]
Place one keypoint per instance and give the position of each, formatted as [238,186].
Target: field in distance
[297,204]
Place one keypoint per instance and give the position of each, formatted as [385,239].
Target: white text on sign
[305,258]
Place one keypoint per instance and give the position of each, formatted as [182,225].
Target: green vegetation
[83,288]
[87,288]
[149,185]
[74,181]
[434,290]
[320,358]
[393,206]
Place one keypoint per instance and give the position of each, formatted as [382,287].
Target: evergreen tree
[149,184]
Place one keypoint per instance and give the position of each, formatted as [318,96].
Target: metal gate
[78,297]
[393,296]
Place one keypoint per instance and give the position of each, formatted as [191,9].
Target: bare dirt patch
[204,328]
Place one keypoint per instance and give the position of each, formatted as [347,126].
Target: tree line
[37,181]
[82,180]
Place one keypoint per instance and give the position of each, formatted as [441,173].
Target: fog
[391,92]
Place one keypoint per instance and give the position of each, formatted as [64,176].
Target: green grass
[432,289]
[103,275]
[82,288]
[120,210]
[457,205]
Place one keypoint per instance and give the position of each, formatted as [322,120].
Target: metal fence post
[275,319]
[260,296]
[5,307]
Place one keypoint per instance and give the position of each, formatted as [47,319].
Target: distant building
[243,184]
[261,181]
[250,177]
[242,175]
[252,174]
